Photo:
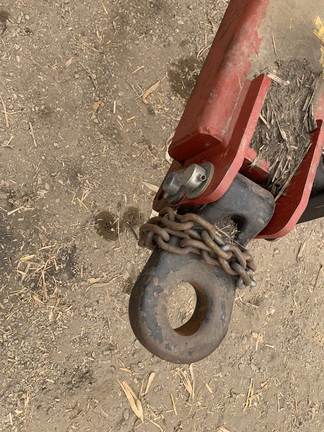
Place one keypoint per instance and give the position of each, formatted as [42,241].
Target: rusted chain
[197,235]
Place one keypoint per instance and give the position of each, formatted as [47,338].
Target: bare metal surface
[194,176]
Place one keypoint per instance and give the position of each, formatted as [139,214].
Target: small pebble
[137,344]
[126,414]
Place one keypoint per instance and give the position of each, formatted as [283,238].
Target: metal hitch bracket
[216,173]
[215,289]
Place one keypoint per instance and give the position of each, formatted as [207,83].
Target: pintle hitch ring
[148,312]
[215,289]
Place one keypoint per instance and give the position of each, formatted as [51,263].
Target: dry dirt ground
[81,148]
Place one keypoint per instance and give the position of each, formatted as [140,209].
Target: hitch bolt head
[172,184]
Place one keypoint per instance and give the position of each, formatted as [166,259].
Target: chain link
[197,235]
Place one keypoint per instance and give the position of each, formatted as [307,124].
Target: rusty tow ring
[188,248]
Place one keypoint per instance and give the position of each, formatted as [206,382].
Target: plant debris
[133,400]
[282,136]
[227,228]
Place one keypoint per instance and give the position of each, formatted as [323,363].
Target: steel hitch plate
[250,206]
[214,288]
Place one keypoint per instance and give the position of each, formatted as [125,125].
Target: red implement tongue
[223,111]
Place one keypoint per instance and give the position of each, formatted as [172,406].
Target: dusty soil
[83,139]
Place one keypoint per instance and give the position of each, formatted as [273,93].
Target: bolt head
[172,184]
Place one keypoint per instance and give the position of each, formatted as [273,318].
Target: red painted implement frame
[222,113]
